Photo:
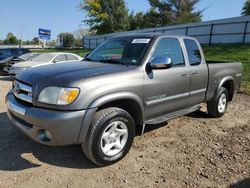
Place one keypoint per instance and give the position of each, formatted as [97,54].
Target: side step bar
[166,117]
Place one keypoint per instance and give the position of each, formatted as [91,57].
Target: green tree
[106,16]
[35,40]
[166,12]
[246,8]
[160,13]
[10,39]
[137,21]
[27,42]
[67,40]
[183,11]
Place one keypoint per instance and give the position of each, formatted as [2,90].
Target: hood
[28,64]
[64,73]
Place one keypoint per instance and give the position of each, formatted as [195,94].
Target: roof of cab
[150,35]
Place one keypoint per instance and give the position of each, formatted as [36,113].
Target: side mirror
[55,60]
[161,62]
[86,55]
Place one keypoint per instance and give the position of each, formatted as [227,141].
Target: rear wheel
[218,106]
[110,136]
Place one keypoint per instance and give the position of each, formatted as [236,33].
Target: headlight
[58,95]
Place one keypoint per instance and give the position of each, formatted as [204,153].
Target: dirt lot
[191,151]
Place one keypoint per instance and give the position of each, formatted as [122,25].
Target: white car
[44,59]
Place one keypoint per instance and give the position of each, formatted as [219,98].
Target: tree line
[107,16]
[12,39]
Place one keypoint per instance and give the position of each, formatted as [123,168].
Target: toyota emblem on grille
[16,88]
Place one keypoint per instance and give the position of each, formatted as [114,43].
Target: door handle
[194,72]
[184,74]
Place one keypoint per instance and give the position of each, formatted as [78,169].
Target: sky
[24,17]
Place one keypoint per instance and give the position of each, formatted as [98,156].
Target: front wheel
[218,106]
[110,136]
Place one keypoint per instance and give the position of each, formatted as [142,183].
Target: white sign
[140,41]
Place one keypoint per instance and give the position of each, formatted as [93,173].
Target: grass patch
[232,52]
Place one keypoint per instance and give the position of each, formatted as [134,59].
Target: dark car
[7,54]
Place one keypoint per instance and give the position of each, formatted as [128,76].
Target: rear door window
[71,57]
[60,58]
[194,54]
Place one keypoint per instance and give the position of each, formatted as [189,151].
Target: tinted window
[5,53]
[193,51]
[171,48]
[71,57]
[15,52]
[60,58]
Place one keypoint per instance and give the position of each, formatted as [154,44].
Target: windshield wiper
[113,61]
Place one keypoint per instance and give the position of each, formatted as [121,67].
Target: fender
[224,80]
[93,107]
[116,96]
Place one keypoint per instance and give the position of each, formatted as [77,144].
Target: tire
[110,127]
[217,107]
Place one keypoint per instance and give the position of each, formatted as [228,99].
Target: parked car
[44,59]
[124,84]
[6,54]
[22,58]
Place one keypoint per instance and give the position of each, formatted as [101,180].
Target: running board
[166,117]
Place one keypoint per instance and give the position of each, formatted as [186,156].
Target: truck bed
[219,70]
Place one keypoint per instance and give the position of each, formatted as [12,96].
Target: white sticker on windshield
[140,41]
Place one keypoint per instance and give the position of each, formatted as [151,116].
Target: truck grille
[22,91]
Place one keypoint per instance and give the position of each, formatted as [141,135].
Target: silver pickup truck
[124,84]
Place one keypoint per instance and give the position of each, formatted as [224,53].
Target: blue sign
[44,34]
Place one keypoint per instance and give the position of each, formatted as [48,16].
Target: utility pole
[44,43]
[21,45]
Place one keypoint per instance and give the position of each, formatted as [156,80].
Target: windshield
[28,56]
[129,50]
[43,58]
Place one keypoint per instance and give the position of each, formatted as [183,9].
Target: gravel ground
[191,151]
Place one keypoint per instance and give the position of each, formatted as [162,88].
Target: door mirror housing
[55,61]
[161,62]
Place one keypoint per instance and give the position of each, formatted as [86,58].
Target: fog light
[48,134]
[44,135]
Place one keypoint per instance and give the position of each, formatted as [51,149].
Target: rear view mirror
[161,62]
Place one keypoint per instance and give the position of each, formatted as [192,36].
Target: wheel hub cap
[114,138]
[222,103]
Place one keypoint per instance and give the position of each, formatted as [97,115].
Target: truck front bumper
[45,126]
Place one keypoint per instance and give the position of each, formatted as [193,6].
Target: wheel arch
[228,83]
[125,100]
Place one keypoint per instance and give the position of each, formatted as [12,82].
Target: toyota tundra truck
[126,83]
